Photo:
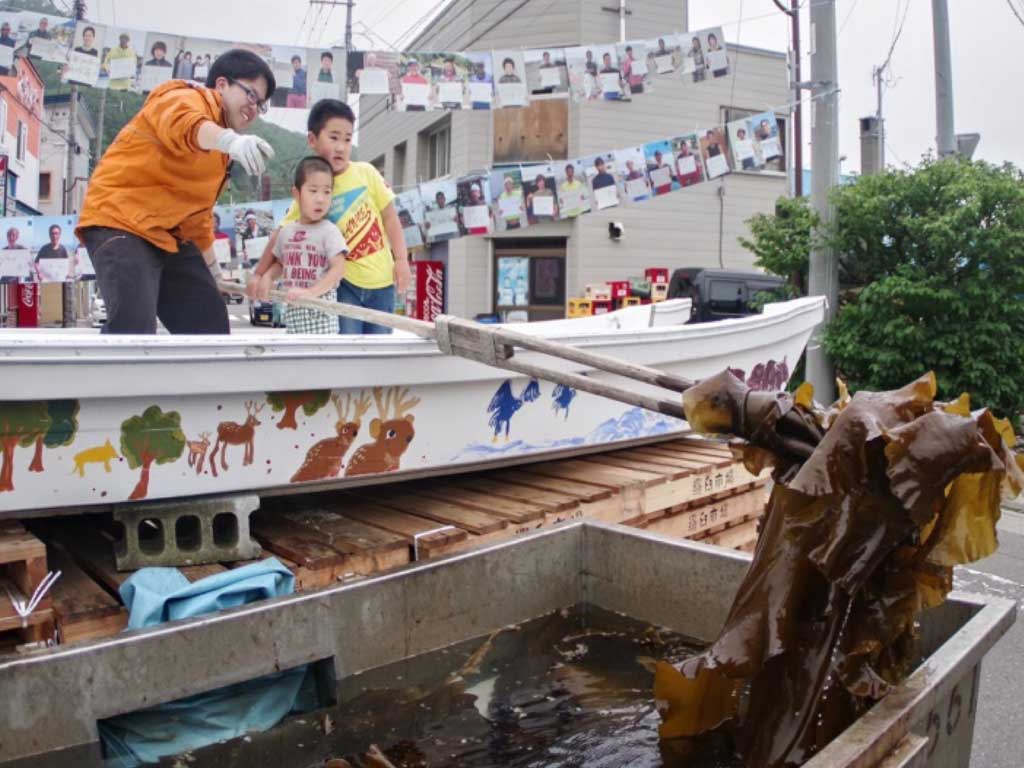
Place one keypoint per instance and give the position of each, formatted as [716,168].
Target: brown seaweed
[875,500]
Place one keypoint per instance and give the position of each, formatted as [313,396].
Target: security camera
[616,229]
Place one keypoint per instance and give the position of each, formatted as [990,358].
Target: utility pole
[622,13]
[946,134]
[797,115]
[824,271]
[69,313]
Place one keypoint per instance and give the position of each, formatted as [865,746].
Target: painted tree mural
[21,424]
[310,401]
[63,429]
[154,436]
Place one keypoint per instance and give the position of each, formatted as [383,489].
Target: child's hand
[263,287]
[298,293]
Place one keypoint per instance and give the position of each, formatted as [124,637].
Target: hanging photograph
[541,199]
[474,213]
[49,36]
[636,76]
[765,129]
[416,82]
[715,58]
[84,270]
[291,71]
[609,78]
[693,62]
[9,32]
[573,191]
[510,79]
[658,159]
[326,78]
[450,81]
[686,157]
[224,235]
[712,150]
[582,68]
[83,63]
[158,65]
[507,198]
[663,54]
[632,167]
[253,224]
[372,73]
[600,171]
[546,74]
[53,246]
[480,82]
[744,158]
[409,207]
[440,210]
[121,57]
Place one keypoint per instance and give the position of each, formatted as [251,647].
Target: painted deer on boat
[197,451]
[391,432]
[325,459]
[233,433]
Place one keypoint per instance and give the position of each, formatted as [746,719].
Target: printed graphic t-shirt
[305,251]
[360,195]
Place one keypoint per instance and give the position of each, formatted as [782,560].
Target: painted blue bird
[562,398]
[504,405]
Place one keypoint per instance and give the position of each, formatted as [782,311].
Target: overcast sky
[984,34]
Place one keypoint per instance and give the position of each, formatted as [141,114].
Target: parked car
[718,294]
[266,313]
[98,312]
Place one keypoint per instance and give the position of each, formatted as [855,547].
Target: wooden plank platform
[686,487]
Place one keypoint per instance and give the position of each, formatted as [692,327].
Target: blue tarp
[156,595]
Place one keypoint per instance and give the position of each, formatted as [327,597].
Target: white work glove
[251,152]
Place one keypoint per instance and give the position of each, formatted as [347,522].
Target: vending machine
[425,298]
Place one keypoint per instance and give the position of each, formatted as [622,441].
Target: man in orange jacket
[147,219]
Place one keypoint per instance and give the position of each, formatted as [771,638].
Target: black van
[720,293]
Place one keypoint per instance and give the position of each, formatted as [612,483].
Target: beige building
[53,160]
[698,226]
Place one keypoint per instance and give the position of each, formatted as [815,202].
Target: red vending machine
[425,298]
[28,305]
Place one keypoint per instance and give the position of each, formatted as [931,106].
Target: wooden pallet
[685,487]
[23,568]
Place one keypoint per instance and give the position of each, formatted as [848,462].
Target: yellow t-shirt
[360,195]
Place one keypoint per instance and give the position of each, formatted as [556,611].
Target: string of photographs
[423,82]
[130,59]
[514,197]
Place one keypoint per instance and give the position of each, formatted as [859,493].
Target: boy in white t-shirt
[309,254]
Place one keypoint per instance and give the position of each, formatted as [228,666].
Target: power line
[388,11]
[853,8]
[1015,11]
[897,35]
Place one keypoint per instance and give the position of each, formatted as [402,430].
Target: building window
[439,152]
[778,164]
[398,169]
[44,186]
[22,141]
[3,119]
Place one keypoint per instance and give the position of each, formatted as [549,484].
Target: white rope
[25,608]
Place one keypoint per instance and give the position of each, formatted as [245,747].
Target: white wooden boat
[87,419]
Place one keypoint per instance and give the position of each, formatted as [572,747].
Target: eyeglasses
[254,98]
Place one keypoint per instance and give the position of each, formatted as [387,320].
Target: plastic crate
[656,274]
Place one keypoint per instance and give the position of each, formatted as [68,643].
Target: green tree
[310,400]
[154,436]
[63,428]
[781,242]
[933,263]
[21,424]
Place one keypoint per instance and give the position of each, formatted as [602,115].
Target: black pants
[139,283]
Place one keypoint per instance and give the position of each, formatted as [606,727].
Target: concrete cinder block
[189,532]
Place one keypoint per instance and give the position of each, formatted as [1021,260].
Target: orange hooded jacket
[154,181]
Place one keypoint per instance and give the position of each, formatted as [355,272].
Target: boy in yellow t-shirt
[363,209]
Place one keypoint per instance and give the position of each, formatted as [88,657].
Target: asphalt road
[999,731]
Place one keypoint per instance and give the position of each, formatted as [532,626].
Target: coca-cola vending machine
[28,305]
[425,298]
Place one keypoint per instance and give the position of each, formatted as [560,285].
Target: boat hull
[212,416]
